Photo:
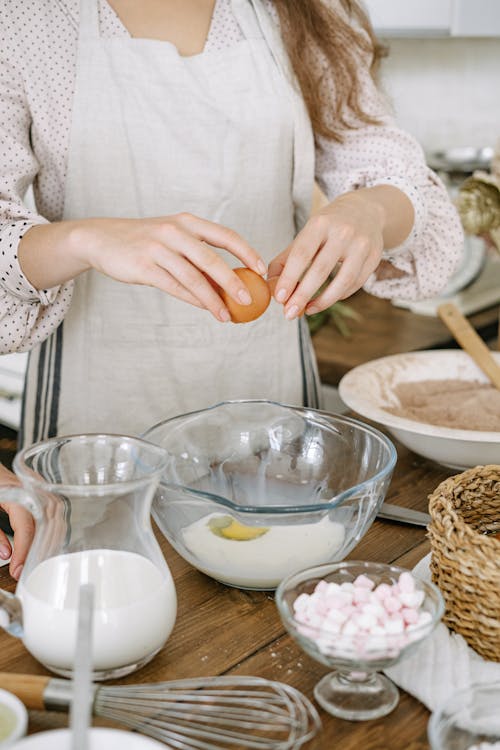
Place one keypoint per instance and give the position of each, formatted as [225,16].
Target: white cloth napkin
[442,662]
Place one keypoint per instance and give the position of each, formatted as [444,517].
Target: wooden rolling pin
[470,341]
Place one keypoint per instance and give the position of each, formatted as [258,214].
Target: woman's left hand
[22,525]
[348,232]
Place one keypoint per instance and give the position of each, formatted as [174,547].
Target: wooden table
[220,630]
[385,329]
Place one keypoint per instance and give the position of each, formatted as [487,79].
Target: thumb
[276,266]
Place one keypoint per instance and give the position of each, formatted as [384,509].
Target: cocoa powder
[462,404]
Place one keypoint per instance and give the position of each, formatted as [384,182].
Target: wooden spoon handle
[28,688]
[469,340]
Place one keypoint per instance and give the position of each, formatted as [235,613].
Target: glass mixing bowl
[468,720]
[355,690]
[254,490]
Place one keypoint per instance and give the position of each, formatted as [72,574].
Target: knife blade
[397,513]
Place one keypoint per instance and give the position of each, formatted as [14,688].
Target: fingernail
[281,295]
[224,315]
[291,313]
[261,267]
[5,551]
[244,297]
[16,573]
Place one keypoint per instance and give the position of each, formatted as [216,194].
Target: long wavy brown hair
[338,34]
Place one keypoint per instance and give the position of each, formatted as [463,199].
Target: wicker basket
[465,561]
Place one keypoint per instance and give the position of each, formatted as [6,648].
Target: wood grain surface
[221,630]
[382,330]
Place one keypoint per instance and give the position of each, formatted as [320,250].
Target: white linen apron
[223,135]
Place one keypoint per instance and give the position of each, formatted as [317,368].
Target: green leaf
[316,321]
[337,313]
[343,309]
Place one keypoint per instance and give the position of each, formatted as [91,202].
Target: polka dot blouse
[38,41]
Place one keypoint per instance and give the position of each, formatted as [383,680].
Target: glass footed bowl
[355,690]
[468,720]
[254,490]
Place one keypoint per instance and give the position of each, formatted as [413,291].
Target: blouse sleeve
[383,154]
[27,316]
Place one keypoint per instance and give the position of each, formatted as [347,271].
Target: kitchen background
[442,77]
[445,91]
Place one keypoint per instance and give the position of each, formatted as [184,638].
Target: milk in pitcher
[134,608]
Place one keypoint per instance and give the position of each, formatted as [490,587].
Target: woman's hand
[173,253]
[22,524]
[350,233]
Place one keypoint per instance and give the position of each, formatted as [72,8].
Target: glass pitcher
[91,497]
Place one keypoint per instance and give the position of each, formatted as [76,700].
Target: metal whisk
[206,713]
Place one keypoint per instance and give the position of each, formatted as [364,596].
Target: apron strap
[311,383]
[247,18]
[248,12]
[255,22]
[89,20]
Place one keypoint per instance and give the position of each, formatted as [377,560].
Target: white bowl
[369,391]
[16,717]
[99,739]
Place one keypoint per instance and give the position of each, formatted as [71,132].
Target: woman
[169,141]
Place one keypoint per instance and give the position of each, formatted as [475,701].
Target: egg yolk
[230,528]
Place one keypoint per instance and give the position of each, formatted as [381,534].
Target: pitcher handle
[11,614]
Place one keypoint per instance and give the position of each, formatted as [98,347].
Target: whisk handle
[28,688]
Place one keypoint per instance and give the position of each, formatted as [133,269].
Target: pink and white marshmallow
[361,620]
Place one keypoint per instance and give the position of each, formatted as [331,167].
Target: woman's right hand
[22,525]
[173,253]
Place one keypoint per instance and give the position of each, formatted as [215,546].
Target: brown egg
[259,291]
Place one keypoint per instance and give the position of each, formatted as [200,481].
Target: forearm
[175,254]
[50,256]
[395,209]
[27,315]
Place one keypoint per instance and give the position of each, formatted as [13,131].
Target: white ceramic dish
[99,739]
[13,718]
[369,390]
[472,263]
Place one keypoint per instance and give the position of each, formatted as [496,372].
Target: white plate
[369,390]
[469,269]
[472,287]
